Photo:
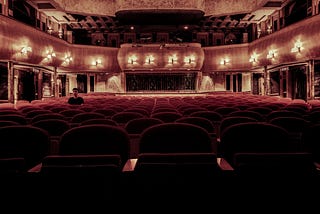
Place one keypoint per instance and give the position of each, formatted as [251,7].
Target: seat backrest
[263,110]
[24,141]
[166,116]
[253,137]
[94,180]
[174,138]
[138,110]
[22,120]
[47,116]
[32,114]
[105,111]
[275,164]
[55,127]
[8,123]
[12,166]
[177,164]
[78,118]
[99,121]
[225,110]
[138,125]
[282,113]
[81,164]
[231,120]
[124,117]
[214,117]
[199,121]
[310,140]
[69,113]
[291,124]
[95,139]
[247,113]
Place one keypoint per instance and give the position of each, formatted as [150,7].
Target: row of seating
[32,144]
[93,162]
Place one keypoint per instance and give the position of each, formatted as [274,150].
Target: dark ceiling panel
[43,6]
[273,4]
[159,16]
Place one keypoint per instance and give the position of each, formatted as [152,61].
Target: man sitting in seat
[76,100]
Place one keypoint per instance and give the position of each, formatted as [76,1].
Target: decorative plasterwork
[110,7]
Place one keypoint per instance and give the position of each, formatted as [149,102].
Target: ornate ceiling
[115,15]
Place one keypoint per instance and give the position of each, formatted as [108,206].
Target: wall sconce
[297,47]
[269,29]
[67,59]
[149,59]
[25,50]
[224,61]
[50,54]
[259,32]
[189,59]
[271,54]
[173,59]
[253,58]
[132,59]
[50,30]
[97,62]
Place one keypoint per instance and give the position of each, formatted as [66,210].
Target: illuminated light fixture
[173,59]
[224,61]
[60,33]
[259,32]
[50,54]
[271,54]
[25,50]
[269,29]
[132,59]
[189,59]
[50,30]
[97,62]
[253,58]
[67,59]
[297,47]
[149,59]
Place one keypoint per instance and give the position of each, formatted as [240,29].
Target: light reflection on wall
[114,84]
[206,84]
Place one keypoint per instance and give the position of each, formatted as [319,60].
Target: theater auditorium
[202,106]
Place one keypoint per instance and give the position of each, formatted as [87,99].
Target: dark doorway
[228,84]
[239,80]
[91,83]
[257,83]
[317,78]
[27,86]
[3,81]
[82,83]
[234,83]
[62,79]
[274,83]
[299,82]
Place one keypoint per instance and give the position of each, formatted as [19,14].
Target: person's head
[75,92]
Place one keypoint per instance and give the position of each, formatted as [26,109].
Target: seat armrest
[130,165]
[317,165]
[224,165]
[36,168]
